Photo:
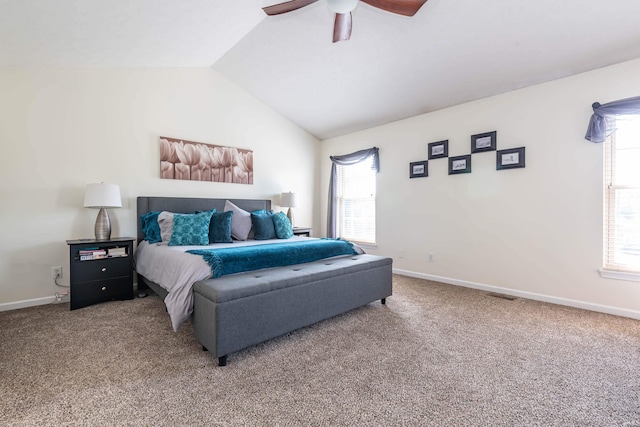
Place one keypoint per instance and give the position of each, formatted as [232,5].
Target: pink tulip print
[167,159]
[197,161]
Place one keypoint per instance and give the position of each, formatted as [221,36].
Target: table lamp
[102,196]
[288,200]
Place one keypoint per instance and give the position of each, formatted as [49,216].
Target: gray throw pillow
[165,222]
[240,221]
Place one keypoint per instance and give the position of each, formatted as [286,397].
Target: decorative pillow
[263,227]
[190,229]
[283,227]
[240,222]
[150,227]
[165,222]
[220,227]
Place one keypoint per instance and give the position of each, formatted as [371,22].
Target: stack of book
[87,254]
[116,252]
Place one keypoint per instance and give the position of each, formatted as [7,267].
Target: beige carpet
[435,355]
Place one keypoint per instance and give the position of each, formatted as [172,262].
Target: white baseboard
[27,303]
[634,314]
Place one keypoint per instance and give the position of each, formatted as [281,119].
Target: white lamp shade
[342,6]
[102,196]
[288,200]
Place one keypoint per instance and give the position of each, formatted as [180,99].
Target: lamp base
[290,216]
[103,225]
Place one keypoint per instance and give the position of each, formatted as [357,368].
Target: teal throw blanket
[247,258]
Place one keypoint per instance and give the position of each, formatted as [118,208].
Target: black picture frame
[460,164]
[484,142]
[512,158]
[438,150]
[419,169]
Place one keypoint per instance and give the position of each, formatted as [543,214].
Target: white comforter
[176,271]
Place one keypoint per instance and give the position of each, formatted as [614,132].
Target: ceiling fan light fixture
[342,6]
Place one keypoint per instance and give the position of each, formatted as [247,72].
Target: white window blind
[622,196]
[356,201]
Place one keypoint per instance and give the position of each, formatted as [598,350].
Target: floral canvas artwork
[197,161]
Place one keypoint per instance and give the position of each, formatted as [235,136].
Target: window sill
[619,275]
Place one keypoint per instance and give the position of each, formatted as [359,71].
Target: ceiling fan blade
[342,27]
[287,6]
[401,7]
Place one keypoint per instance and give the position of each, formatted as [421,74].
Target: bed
[237,310]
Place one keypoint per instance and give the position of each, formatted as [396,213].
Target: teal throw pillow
[150,227]
[283,227]
[263,228]
[190,229]
[220,227]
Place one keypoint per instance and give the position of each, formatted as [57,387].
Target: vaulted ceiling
[450,52]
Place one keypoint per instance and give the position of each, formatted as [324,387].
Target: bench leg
[383,301]
[222,360]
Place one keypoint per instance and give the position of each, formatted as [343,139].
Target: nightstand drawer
[99,269]
[86,293]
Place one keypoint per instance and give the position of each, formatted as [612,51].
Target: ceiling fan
[343,8]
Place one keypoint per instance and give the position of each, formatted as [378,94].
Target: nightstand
[302,231]
[100,270]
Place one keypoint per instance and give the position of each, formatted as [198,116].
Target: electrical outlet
[430,257]
[56,272]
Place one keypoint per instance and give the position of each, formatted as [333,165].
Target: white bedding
[176,271]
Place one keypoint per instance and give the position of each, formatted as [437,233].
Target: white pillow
[165,221]
[240,221]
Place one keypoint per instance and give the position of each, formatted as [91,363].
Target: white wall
[534,232]
[61,129]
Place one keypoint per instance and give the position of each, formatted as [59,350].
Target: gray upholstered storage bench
[236,311]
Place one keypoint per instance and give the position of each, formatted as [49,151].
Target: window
[622,196]
[356,201]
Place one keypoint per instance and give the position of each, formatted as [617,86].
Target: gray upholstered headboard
[190,205]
